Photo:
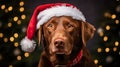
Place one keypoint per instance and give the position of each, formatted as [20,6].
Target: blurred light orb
[99,30]
[118,8]
[99,50]
[21,3]
[105,38]
[19,22]
[21,9]
[107,49]
[26,54]
[107,14]
[109,59]
[116,43]
[24,29]
[96,61]
[11,39]
[19,58]
[10,65]
[9,24]
[23,16]
[1,35]
[113,16]
[16,52]
[2,7]
[100,66]
[5,40]
[16,35]
[15,18]
[117,21]
[6,10]
[107,27]
[16,44]
[10,8]
[114,49]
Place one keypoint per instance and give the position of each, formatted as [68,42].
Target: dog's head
[62,35]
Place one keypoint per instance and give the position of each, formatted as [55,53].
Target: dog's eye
[50,25]
[69,25]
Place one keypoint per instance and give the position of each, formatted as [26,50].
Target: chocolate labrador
[64,40]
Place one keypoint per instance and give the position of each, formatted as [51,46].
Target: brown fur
[73,34]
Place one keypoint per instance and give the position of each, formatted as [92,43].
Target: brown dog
[64,32]
[64,40]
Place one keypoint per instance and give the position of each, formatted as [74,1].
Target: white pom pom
[27,44]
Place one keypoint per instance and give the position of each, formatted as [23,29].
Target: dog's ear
[39,35]
[87,32]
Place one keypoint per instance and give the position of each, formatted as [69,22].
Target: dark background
[94,12]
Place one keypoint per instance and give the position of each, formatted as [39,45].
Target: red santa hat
[42,14]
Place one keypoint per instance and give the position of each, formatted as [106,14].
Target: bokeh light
[107,49]
[19,58]
[21,3]
[11,39]
[2,7]
[1,35]
[26,54]
[105,38]
[21,9]
[16,35]
[10,8]
[15,18]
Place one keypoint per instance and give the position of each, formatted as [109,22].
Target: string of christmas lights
[109,33]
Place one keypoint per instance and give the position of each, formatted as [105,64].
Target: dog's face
[60,33]
[63,34]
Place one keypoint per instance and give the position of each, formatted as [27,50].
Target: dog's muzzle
[59,45]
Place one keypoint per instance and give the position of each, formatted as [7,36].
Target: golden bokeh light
[1,35]
[23,16]
[9,24]
[21,9]
[99,50]
[11,39]
[107,14]
[100,66]
[113,16]
[105,38]
[107,27]
[117,21]
[16,35]
[115,49]
[26,54]
[10,8]
[101,34]
[2,7]
[107,49]
[19,22]
[5,39]
[21,3]
[96,61]
[15,18]
[10,65]
[19,57]
[16,44]
[6,10]
[116,43]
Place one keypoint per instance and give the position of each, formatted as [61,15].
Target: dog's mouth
[61,59]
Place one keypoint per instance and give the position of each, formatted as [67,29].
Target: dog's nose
[59,43]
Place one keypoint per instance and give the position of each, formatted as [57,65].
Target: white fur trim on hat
[27,44]
[45,15]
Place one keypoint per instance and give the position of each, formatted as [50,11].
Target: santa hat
[42,14]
